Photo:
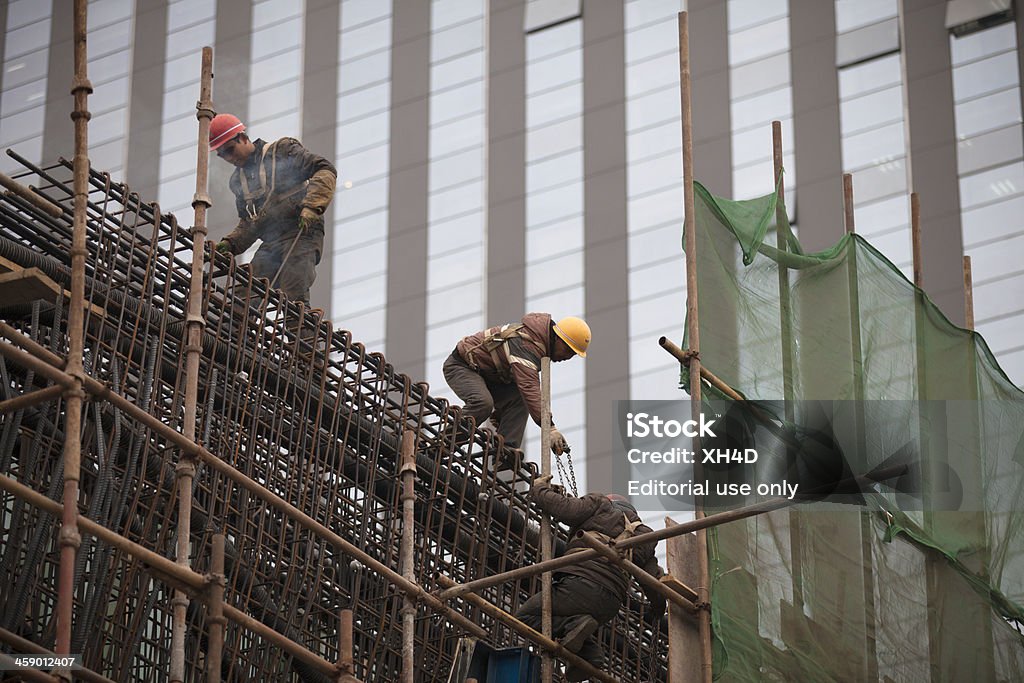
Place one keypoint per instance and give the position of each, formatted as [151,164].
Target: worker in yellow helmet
[497,371]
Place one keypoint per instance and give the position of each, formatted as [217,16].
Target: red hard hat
[224,127]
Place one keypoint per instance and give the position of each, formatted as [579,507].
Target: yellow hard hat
[575,332]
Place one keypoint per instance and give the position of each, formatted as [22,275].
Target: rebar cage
[301,409]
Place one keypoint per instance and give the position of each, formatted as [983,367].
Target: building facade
[502,156]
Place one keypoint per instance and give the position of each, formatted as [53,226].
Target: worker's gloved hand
[223,247]
[307,217]
[541,481]
[558,443]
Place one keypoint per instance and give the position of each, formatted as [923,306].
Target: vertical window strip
[23,100]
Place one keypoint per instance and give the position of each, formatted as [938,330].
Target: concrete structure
[499,156]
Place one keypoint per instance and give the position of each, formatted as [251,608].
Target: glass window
[456,232]
[25,69]
[182,71]
[179,132]
[26,39]
[358,12]
[554,105]
[374,99]
[983,43]
[660,171]
[457,71]
[991,185]
[862,78]
[178,162]
[994,221]
[457,102]
[985,76]
[558,303]
[109,126]
[459,299]
[757,179]
[553,274]
[458,200]
[20,127]
[1001,257]
[755,144]
[868,42]
[556,203]
[876,217]
[667,273]
[444,336]
[880,181]
[555,71]
[366,164]
[455,267]
[652,108]
[765,74]
[111,66]
[651,246]
[370,130]
[656,208]
[366,39]
[744,13]
[554,171]
[557,237]
[363,195]
[182,13]
[557,39]
[457,40]
[103,41]
[873,147]
[459,134]
[359,231]
[272,12]
[456,169]
[648,317]
[990,300]
[364,71]
[361,294]
[188,40]
[30,148]
[648,142]
[266,102]
[639,12]
[22,12]
[989,149]
[21,98]
[279,126]
[276,38]
[555,138]
[367,327]
[871,111]
[653,74]
[444,13]
[652,40]
[353,264]
[762,108]
[850,15]
[543,13]
[988,113]
[283,68]
[759,41]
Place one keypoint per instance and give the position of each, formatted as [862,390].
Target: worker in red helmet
[586,595]
[281,192]
[497,373]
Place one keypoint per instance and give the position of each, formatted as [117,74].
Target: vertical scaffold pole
[408,476]
[186,469]
[690,240]
[346,665]
[70,539]
[548,663]
[968,295]
[216,619]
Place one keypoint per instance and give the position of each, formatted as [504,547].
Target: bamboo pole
[682,563]
[46,364]
[217,579]
[36,200]
[526,632]
[690,240]
[547,663]
[408,475]
[848,217]
[185,471]
[69,537]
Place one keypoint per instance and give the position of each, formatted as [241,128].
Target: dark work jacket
[594,512]
[287,168]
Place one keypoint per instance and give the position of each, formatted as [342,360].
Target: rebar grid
[301,409]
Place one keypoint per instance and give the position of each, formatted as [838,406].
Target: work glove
[307,217]
[223,247]
[558,443]
[541,481]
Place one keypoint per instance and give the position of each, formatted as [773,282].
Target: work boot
[511,459]
[581,628]
[574,675]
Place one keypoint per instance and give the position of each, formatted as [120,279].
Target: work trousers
[500,402]
[573,597]
[298,274]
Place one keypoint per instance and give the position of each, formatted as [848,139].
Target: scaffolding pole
[547,663]
[408,476]
[690,240]
[74,397]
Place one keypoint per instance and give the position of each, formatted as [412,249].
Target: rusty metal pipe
[36,200]
[31,398]
[215,618]
[408,475]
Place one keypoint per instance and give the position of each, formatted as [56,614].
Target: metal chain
[569,479]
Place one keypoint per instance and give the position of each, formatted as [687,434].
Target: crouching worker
[496,372]
[586,595]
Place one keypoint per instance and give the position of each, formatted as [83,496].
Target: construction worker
[497,371]
[281,192]
[586,595]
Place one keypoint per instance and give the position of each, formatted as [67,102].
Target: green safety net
[881,591]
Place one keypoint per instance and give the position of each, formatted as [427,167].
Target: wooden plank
[6,266]
[26,285]
[678,586]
